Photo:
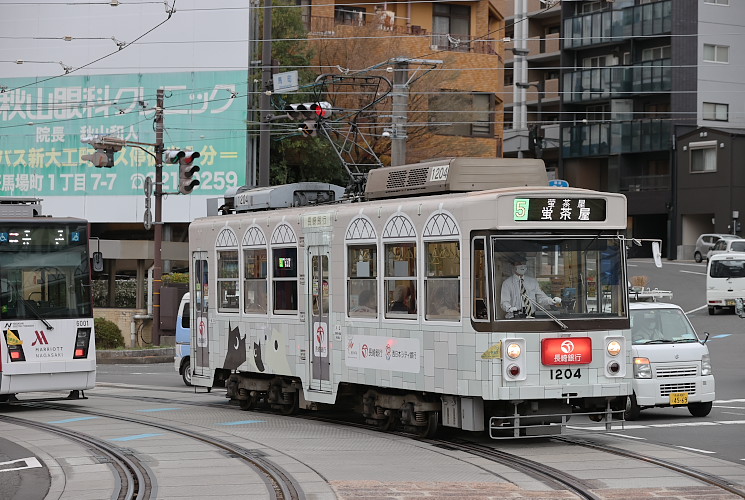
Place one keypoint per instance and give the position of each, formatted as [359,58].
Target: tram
[401,305]
[48,339]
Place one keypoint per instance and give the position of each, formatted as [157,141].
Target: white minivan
[725,280]
[671,364]
[182,357]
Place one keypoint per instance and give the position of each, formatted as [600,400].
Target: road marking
[729,401]
[137,436]
[601,428]
[692,272]
[696,449]
[730,412]
[721,336]
[631,265]
[78,419]
[158,409]
[694,310]
[241,422]
[625,436]
[31,463]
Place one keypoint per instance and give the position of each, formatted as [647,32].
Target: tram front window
[560,277]
[44,272]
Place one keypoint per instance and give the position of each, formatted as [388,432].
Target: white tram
[48,339]
[397,306]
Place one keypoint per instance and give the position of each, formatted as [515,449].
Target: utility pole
[158,237]
[400,110]
[264,97]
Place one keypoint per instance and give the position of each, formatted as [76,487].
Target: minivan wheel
[697,257]
[186,372]
[632,409]
[699,409]
[712,310]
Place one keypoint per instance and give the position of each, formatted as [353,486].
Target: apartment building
[632,76]
[456,108]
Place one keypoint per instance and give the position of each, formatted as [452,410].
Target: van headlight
[705,365]
[642,368]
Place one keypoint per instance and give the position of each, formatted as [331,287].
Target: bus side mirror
[97,262]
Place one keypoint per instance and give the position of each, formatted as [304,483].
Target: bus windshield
[558,277]
[44,271]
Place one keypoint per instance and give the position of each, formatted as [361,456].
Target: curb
[135,356]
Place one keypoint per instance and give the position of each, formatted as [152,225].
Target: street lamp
[536,131]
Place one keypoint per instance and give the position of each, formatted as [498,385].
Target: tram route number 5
[520,209]
[565,373]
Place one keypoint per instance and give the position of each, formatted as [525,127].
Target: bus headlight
[514,351]
[614,347]
[642,368]
[705,365]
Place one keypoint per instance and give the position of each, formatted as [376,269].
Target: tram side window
[362,281]
[442,281]
[227,280]
[255,282]
[480,298]
[400,280]
[284,280]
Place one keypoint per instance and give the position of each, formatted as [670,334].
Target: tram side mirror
[97,262]
[656,253]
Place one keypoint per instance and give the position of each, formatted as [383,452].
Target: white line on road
[693,272]
[696,449]
[30,463]
[730,401]
[627,437]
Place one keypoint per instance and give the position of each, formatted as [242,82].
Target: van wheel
[186,372]
[699,409]
[632,408]
[712,310]
[697,257]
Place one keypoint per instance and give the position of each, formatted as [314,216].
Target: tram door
[318,262]
[200,333]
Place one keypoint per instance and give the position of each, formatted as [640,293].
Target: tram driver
[521,294]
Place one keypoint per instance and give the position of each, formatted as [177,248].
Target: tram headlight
[614,347]
[514,350]
[642,368]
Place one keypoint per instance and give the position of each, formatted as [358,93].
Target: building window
[717,2]
[703,156]
[345,14]
[464,114]
[654,53]
[715,111]
[454,20]
[716,53]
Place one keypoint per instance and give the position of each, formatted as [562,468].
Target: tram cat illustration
[236,354]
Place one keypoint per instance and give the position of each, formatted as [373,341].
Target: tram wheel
[247,404]
[388,423]
[290,405]
[433,425]
[4,398]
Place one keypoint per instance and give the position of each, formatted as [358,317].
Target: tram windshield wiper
[29,304]
[556,320]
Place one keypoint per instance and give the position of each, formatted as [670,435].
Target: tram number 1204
[566,373]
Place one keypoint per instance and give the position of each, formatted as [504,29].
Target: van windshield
[727,269]
[660,326]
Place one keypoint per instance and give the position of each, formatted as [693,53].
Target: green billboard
[42,121]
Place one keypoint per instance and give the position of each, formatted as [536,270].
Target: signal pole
[158,222]
[264,98]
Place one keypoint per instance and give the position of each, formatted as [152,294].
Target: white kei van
[182,358]
[671,364]
[725,280]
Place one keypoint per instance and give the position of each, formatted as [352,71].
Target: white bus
[403,305]
[48,339]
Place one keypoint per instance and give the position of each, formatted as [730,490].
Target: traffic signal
[173,155]
[308,110]
[105,147]
[187,169]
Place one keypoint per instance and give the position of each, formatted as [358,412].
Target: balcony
[645,183]
[603,139]
[329,26]
[538,47]
[616,25]
[618,81]
[550,93]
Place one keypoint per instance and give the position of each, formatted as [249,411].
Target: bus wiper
[557,320]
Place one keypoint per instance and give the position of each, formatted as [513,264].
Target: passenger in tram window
[521,294]
[365,302]
[400,296]
[446,302]
[258,304]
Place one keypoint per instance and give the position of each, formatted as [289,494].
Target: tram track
[279,484]
[135,481]
[551,476]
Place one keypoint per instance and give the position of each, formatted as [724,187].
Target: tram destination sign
[560,209]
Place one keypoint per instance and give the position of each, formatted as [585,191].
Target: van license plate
[678,398]
[730,302]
